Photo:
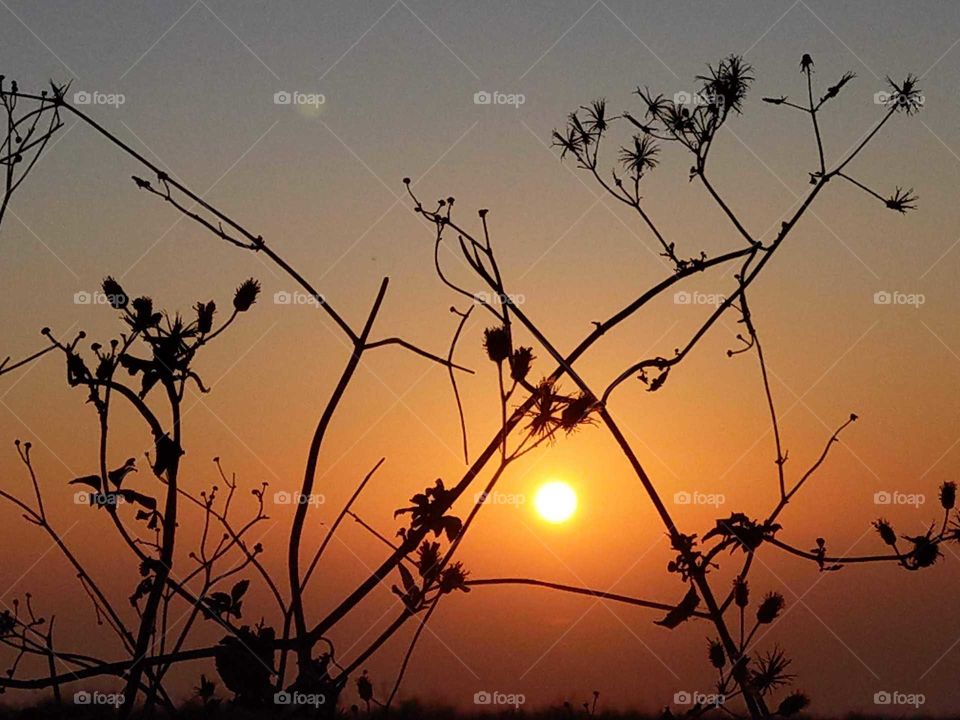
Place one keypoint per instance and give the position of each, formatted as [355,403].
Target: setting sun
[555,501]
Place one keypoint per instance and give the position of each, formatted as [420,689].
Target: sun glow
[555,501]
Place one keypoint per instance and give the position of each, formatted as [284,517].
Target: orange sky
[325,190]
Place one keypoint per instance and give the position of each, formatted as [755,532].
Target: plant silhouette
[156,356]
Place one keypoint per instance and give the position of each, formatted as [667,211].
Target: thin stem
[309,476]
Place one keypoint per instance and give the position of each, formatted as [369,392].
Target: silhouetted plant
[251,661]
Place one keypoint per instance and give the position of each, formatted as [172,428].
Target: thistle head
[246,295]
[496,341]
[886,531]
[741,592]
[948,495]
[520,362]
[114,293]
[718,657]
[771,607]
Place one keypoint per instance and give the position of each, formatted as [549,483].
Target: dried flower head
[902,200]
[793,703]
[641,156]
[886,531]
[741,592]
[834,90]
[496,341]
[771,671]
[570,141]
[728,83]
[428,560]
[246,295]
[453,578]
[906,96]
[115,295]
[948,495]
[576,413]
[520,362]
[925,553]
[596,121]
[718,657]
[770,608]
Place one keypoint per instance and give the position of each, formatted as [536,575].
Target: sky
[194,89]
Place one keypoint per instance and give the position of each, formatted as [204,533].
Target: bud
[205,313]
[496,341]
[520,363]
[792,704]
[115,294]
[948,495]
[741,592]
[770,608]
[886,532]
[246,295]
[715,652]
[577,411]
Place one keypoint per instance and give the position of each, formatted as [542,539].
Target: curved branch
[614,597]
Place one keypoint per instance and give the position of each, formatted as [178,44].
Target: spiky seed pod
[520,362]
[770,608]
[948,495]
[886,532]
[718,657]
[793,703]
[246,295]
[576,412]
[496,341]
[925,552]
[741,592]
[453,578]
[115,295]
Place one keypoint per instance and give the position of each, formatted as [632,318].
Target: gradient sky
[325,190]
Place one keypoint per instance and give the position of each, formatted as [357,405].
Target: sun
[555,501]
